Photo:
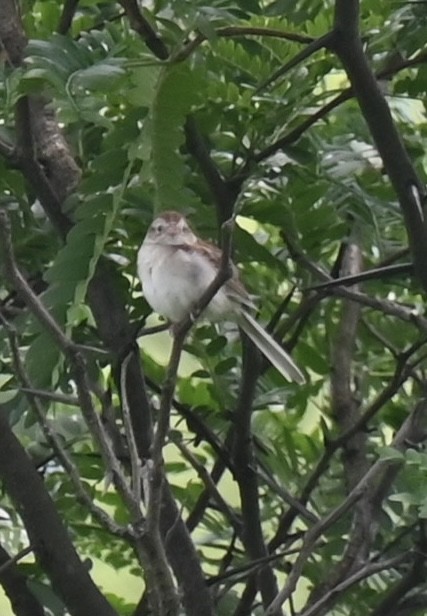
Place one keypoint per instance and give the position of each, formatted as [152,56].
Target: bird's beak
[173,230]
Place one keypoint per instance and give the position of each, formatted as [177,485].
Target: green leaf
[312,359]
[102,75]
[145,79]
[42,360]
[178,89]
[47,597]
[223,367]
[389,453]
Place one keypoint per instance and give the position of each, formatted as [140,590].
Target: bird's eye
[185,229]
[158,228]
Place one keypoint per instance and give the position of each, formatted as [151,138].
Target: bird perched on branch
[176,267]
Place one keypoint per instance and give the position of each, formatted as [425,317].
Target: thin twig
[23,288]
[308,51]
[240,31]
[209,484]
[287,497]
[199,427]
[371,568]
[155,329]
[136,465]
[249,567]
[196,514]
[386,306]
[12,561]
[54,396]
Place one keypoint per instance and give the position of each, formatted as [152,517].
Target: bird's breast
[174,278]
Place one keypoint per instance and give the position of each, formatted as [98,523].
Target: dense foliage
[112,111]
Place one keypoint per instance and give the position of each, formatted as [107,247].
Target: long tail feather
[269,347]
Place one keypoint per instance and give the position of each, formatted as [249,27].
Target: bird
[175,267]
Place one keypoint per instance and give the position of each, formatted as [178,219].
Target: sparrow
[175,267]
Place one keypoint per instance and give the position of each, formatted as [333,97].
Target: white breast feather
[176,281]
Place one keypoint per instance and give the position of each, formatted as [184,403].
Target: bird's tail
[271,349]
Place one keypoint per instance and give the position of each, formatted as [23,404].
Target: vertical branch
[246,475]
[347,44]
[345,406]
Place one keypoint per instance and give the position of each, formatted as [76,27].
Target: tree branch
[410,190]
[345,408]
[144,29]
[67,15]
[195,516]
[332,446]
[246,475]
[388,307]
[240,31]
[409,581]
[209,484]
[312,47]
